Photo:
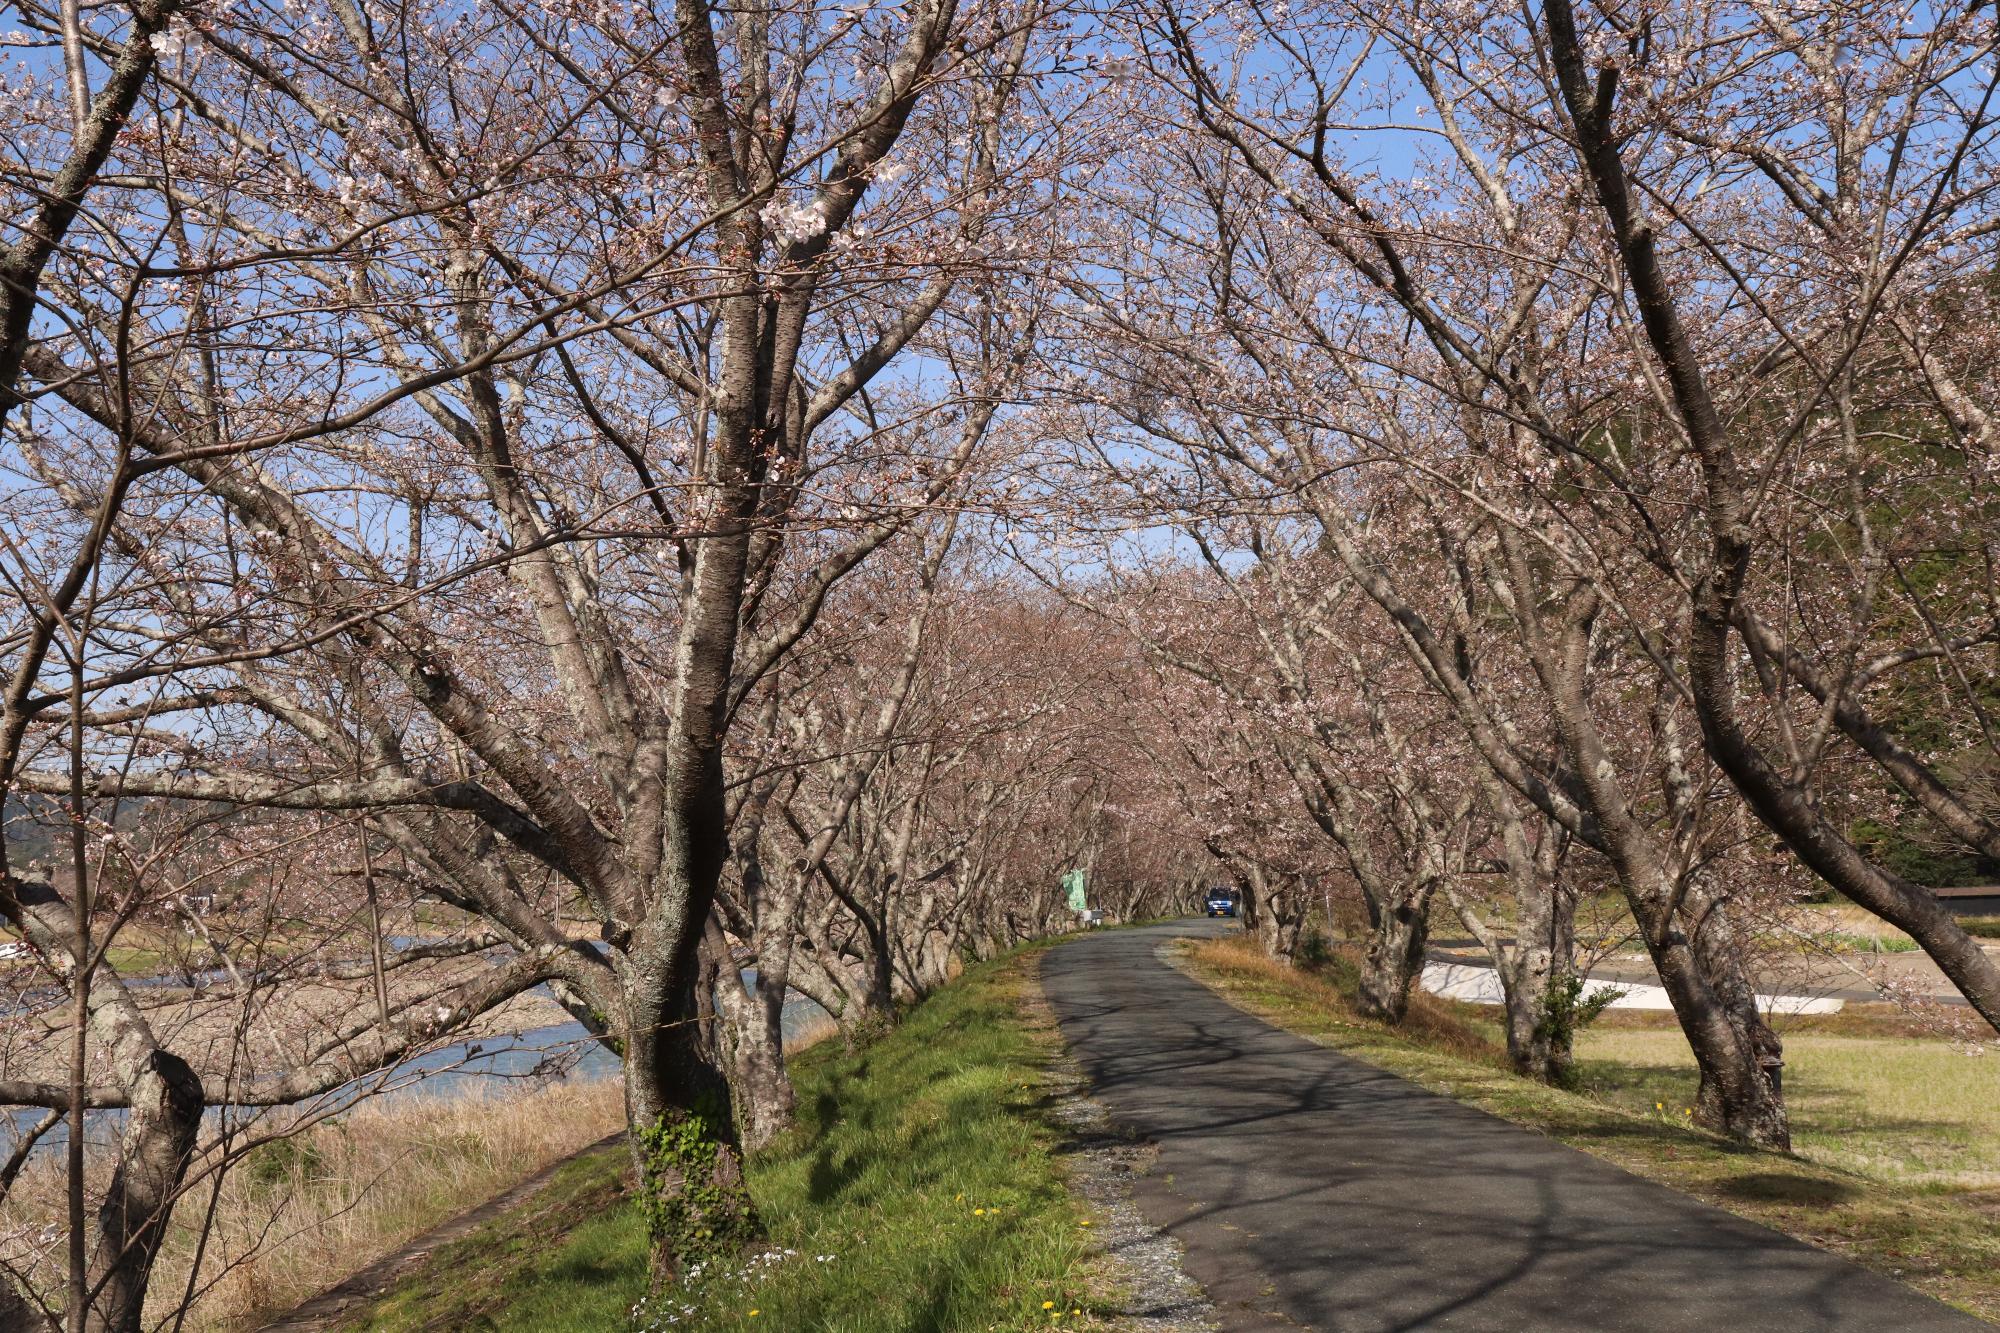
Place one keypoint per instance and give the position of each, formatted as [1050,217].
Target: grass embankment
[298,1214]
[1897,1138]
[923,1166]
[345,1194]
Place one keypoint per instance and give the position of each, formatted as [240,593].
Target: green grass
[924,1164]
[1903,1111]
[128,960]
[1897,1139]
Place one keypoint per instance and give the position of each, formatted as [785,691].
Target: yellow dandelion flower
[979,1212]
[1659,1106]
[1048,1305]
[755,1313]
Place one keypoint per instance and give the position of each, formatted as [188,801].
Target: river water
[564,1050]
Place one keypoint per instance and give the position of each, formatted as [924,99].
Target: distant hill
[36,827]
[32,824]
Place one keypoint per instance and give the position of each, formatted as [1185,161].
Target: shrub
[1567,1011]
[283,1162]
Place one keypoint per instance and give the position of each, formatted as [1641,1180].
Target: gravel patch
[1140,1263]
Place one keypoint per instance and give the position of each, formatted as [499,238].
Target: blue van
[1221,902]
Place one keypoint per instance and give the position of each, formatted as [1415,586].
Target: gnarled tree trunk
[1399,932]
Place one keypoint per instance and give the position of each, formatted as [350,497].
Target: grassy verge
[1898,1139]
[923,1170]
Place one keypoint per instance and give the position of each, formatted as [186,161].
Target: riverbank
[297,1214]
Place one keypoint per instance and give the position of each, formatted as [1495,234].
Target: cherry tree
[1319,328]
[548,395]
[1804,345]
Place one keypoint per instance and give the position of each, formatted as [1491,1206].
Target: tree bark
[1703,973]
[1395,954]
[753,1012]
[683,1137]
[1542,953]
[154,1154]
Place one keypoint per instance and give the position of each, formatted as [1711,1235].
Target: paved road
[1812,977]
[1313,1191]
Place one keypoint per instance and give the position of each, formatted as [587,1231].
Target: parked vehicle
[1221,902]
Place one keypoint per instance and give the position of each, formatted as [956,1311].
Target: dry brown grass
[1432,1022]
[296,1215]
[1856,1019]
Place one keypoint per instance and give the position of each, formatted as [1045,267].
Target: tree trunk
[1539,1041]
[1718,951]
[1541,1019]
[158,1141]
[1737,1054]
[684,1141]
[1535,1048]
[1249,911]
[1540,1045]
[1395,954]
[878,1008]
[759,1086]
[154,1153]
[1288,911]
[765,1102]
[879,1002]
[1260,911]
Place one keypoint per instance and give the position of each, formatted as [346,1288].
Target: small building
[1971,900]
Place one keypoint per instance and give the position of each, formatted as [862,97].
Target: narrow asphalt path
[1313,1191]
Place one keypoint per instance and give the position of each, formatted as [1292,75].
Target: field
[1907,1111]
